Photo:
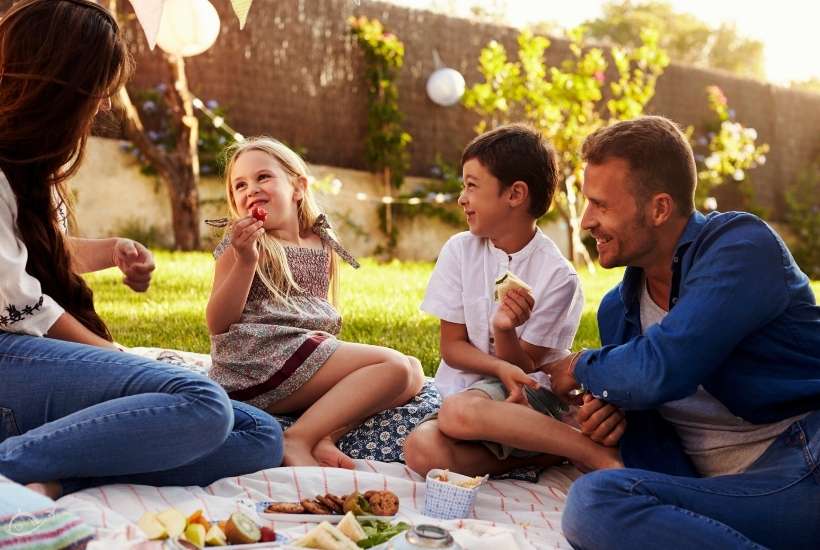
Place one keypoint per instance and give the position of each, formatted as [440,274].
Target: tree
[683,36]
[566,103]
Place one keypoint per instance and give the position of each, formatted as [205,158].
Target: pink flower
[600,77]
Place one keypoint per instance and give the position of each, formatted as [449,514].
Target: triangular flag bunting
[149,14]
[241,9]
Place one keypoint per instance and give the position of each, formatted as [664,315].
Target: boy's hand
[244,235]
[602,422]
[514,310]
[513,378]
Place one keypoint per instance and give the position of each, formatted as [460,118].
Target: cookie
[384,503]
[285,508]
[338,501]
[329,503]
[313,507]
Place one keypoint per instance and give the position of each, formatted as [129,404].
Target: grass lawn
[380,305]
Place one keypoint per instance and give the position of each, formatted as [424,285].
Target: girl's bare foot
[297,453]
[328,454]
[51,489]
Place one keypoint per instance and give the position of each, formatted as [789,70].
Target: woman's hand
[136,262]
[244,235]
[602,422]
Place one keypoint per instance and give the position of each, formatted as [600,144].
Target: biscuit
[329,503]
[313,507]
[384,503]
[285,508]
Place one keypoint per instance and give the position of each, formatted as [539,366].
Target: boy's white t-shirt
[461,291]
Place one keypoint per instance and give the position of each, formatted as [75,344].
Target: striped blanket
[508,514]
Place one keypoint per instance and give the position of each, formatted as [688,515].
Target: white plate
[309,518]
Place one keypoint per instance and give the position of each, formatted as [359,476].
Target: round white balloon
[188,27]
[445,86]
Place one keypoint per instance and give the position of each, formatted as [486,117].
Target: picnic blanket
[509,514]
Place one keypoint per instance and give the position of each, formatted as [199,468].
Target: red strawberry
[259,213]
[268,534]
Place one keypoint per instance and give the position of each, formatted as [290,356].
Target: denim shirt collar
[634,277]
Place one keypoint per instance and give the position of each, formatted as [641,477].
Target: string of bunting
[335,187]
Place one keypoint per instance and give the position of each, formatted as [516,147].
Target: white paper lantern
[188,27]
[445,86]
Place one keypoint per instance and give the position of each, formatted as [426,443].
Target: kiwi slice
[241,529]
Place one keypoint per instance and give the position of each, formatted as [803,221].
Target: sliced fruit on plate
[240,529]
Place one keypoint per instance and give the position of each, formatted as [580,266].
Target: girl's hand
[602,422]
[514,310]
[514,378]
[244,235]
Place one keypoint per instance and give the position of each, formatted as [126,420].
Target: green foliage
[565,103]
[803,217]
[163,132]
[435,192]
[686,38]
[732,152]
[808,85]
[386,143]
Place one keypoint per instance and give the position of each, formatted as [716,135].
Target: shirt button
[605,394]
[675,260]
[674,300]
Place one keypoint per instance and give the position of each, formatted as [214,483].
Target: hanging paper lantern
[445,86]
[188,27]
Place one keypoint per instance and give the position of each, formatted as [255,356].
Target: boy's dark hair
[517,152]
[659,156]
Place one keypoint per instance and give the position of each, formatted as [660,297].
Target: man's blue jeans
[774,504]
[86,416]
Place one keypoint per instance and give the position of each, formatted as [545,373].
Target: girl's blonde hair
[273,269]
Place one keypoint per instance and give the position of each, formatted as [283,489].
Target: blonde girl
[273,330]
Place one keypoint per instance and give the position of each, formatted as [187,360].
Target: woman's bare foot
[297,453]
[328,454]
[51,489]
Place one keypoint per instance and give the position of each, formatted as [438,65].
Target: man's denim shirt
[742,322]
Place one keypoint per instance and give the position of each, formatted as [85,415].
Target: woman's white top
[23,306]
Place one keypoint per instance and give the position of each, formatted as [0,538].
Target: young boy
[489,349]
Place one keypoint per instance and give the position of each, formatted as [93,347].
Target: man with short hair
[711,344]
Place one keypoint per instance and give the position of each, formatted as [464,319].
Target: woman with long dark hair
[75,411]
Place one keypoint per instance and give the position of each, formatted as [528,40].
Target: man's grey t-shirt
[718,442]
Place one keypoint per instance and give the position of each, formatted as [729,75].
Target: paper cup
[445,499]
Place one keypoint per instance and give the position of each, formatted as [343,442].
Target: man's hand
[513,379]
[562,380]
[244,235]
[514,310]
[136,262]
[602,422]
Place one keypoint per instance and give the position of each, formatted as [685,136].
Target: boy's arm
[515,310]
[458,352]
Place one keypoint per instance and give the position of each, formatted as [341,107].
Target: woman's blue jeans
[774,504]
[87,416]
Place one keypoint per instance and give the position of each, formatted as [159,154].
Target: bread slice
[326,537]
[507,282]
[351,527]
